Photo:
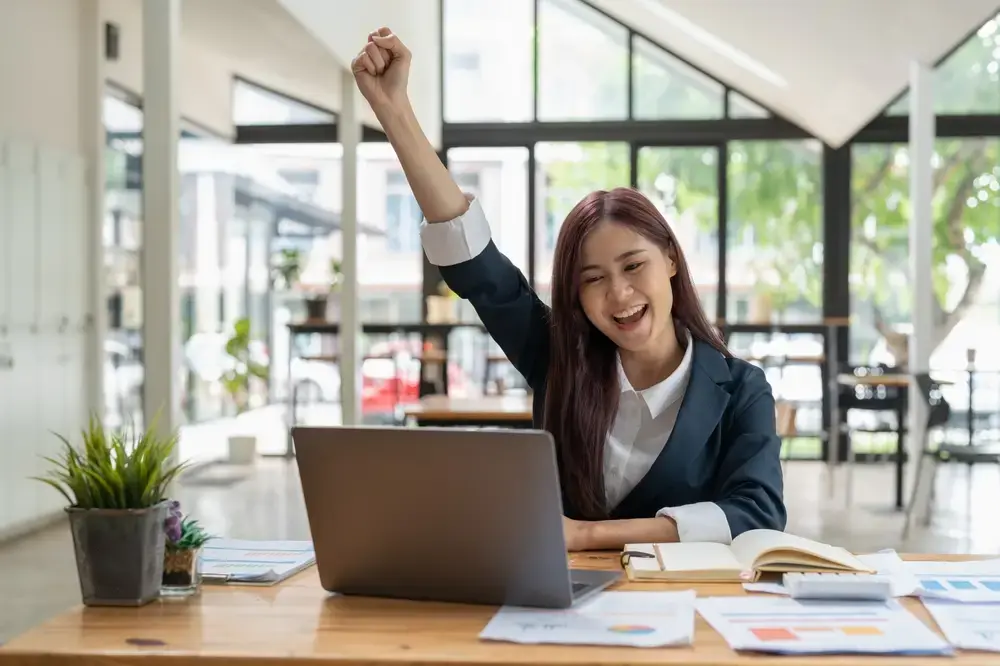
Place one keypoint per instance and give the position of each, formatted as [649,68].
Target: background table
[297,621]
[510,411]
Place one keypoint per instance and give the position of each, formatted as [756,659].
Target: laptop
[439,514]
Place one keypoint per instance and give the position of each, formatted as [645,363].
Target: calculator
[838,586]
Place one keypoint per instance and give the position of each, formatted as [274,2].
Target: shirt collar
[660,396]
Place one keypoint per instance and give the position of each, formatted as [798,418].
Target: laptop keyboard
[578,587]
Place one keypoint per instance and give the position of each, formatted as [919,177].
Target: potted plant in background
[288,269]
[318,302]
[184,539]
[237,382]
[116,487]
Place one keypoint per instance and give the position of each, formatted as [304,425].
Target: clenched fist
[382,69]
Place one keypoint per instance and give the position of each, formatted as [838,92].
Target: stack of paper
[789,626]
[636,619]
[253,562]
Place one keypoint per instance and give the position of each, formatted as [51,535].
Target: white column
[921,230]
[92,140]
[161,132]
[349,131]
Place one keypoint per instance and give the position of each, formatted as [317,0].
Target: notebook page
[639,563]
[748,546]
[698,557]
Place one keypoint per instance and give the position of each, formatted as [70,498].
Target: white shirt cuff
[452,242]
[703,521]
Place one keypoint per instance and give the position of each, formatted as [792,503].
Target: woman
[661,435]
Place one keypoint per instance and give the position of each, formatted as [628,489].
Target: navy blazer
[724,447]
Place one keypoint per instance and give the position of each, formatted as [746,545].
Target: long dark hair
[582,383]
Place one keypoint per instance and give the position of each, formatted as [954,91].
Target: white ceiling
[829,66]
[344,26]
[261,42]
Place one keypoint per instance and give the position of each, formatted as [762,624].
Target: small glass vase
[180,572]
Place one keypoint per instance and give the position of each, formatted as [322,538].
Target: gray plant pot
[119,554]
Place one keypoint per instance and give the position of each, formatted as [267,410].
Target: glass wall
[968,82]
[966,262]
[498,178]
[223,270]
[255,105]
[566,172]
[123,364]
[479,62]
[774,229]
[684,185]
[742,187]
[665,88]
[582,63]
[391,275]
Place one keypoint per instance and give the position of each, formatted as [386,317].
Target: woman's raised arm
[457,235]
[381,71]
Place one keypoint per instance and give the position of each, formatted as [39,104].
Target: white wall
[205,82]
[254,39]
[45,276]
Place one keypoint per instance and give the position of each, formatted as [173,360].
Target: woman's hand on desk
[614,534]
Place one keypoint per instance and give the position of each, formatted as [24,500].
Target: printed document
[969,581]
[635,619]
[253,562]
[782,625]
[969,626]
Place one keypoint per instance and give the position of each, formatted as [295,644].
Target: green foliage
[289,267]
[968,82]
[336,274]
[775,192]
[966,212]
[775,197]
[193,535]
[116,471]
[236,381]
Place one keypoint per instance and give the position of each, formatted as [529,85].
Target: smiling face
[625,287]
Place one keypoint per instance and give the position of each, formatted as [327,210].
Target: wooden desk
[513,411]
[297,620]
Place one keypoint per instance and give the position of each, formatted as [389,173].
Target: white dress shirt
[645,419]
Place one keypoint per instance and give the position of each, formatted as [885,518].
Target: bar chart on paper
[962,584]
[783,625]
[959,581]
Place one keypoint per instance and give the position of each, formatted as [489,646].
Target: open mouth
[631,316]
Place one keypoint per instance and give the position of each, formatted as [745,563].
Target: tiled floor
[38,578]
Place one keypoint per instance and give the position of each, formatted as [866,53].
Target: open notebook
[750,554]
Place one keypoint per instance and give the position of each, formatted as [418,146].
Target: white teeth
[627,313]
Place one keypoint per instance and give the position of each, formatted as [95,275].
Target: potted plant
[288,268]
[318,301]
[116,487]
[184,539]
[237,381]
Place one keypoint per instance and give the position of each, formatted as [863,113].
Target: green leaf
[117,470]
